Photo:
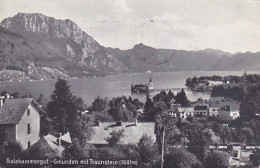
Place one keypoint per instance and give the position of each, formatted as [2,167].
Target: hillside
[44,47]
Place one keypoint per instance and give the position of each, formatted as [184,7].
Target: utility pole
[162,147]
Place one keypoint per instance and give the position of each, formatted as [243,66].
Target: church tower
[244,80]
[150,85]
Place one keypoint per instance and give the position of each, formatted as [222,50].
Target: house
[52,145]
[216,103]
[172,113]
[215,107]
[242,158]
[20,122]
[133,132]
[229,112]
[214,83]
[184,112]
[201,109]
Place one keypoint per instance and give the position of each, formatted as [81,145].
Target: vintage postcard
[129,83]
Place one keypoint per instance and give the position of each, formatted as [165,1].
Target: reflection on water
[117,85]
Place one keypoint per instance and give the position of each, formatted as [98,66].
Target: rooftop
[132,132]
[201,107]
[13,110]
[231,107]
[50,142]
[186,109]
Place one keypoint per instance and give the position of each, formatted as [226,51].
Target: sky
[228,25]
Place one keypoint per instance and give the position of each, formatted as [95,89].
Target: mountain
[60,44]
[143,58]
[43,47]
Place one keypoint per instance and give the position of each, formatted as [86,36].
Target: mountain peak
[142,46]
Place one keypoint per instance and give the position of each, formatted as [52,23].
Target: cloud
[223,24]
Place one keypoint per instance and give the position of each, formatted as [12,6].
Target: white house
[184,112]
[214,83]
[20,122]
[172,113]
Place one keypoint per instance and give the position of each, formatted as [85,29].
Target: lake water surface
[117,85]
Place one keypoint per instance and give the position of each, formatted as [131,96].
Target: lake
[116,85]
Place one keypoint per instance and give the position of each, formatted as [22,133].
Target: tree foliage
[216,159]
[182,99]
[181,158]
[115,137]
[146,150]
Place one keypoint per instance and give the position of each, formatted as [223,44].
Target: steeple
[150,85]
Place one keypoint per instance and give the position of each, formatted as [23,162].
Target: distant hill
[44,47]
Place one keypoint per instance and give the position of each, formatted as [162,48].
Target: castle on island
[142,88]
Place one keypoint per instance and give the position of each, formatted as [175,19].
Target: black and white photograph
[129,83]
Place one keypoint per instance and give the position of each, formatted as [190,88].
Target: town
[167,130]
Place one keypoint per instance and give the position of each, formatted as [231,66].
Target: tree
[82,129]
[247,109]
[180,158]
[45,124]
[3,93]
[189,82]
[17,95]
[148,109]
[195,80]
[182,98]
[64,108]
[216,159]
[218,91]
[170,95]
[246,134]
[146,149]
[60,106]
[255,158]
[115,137]
[10,150]
[225,134]
[198,142]
[99,104]
[41,100]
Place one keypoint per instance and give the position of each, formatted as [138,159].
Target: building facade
[20,122]
[229,112]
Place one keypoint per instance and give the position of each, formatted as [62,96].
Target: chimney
[1,102]
[98,123]
[136,122]
[59,140]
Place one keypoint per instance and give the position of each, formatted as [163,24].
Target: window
[29,144]
[28,112]
[214,110]
[29,130]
